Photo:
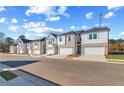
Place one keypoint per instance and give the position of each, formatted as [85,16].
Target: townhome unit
[13,49]
[95,41]
[69,43]
[51,44]
[29,48]
[39,46]
[22,46]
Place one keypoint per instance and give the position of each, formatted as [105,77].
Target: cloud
[2,9]
[76,28]
[73,27]
[53,18]
[109,15]
[89,15]
[34,35]
[103,24]
[30,36]
[14,20]
[84,27]
[121,34]
[117,36]
[51,13]
[13,28]
[62,11]
[115,8]
[47,10]
[25,20]
[40,28]
[112,9]
[2,20]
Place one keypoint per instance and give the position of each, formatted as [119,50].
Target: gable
[51,36]
[19,41]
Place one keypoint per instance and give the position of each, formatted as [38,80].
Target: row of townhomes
[93,41]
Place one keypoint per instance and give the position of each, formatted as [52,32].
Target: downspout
[108,42]
[75,43]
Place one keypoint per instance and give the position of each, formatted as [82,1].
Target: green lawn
[7,75]
[115,56]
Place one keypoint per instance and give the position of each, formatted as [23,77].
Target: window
[90,36]
[94,36]
[69,38]
[60,39]
[50,42]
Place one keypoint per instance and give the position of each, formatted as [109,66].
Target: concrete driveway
[71,72]
[92,58]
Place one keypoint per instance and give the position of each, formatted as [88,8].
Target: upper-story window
[90,36]
[50,42]
[69,38]
[60,39]
[94,36]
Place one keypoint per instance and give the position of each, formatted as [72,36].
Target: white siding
[102,37]
[29,48]
[51,37]
[61,42]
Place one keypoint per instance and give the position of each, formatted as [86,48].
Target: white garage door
[50,51]
[94,51]
[66,51]
[29,51]
[36,52]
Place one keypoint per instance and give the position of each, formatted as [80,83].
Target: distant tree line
[116,46]
[5,42]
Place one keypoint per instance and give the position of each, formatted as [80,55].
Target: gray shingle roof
[54,34]
[26,40]
[72,32]
[97,29]
[85,31]
[42,39]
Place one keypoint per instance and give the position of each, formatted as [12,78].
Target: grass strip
[7,75]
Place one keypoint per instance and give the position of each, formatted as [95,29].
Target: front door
[78,49]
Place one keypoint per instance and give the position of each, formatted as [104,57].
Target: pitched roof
[85,31]
[72,32]
[26,40]
[96,29]
[42,39]
[54,34]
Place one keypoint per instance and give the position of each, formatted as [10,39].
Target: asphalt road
[71,72]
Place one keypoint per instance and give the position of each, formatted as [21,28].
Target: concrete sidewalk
[56,56]
[92,58]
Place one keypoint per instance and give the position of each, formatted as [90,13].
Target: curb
[115,60]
